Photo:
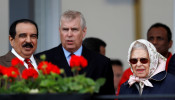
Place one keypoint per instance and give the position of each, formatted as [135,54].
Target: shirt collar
[78,52]
[19,57]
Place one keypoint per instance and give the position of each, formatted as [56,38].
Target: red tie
[72,54]
[27,60]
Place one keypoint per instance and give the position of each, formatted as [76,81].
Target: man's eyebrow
[22,33]
[65,28]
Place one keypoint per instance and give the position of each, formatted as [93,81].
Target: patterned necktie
[27,60]
[72,54]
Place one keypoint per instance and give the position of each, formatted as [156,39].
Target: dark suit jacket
[6,60]
[171,65]
[163,83]
[98,66]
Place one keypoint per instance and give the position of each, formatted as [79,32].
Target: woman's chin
[141,75]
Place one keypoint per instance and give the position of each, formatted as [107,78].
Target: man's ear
[59,29]
[170,44]
[11,40]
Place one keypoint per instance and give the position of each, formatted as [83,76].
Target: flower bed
[48,79]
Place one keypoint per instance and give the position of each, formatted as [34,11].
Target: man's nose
[154,41]
[28,39]
[70,32]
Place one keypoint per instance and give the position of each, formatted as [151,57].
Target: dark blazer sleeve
[171,65]
[108,87]
[99,66]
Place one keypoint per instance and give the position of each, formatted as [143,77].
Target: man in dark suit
[72,31]
[23,35]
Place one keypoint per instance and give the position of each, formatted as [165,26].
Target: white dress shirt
[33,62]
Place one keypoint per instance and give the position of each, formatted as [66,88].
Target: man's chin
[28,53]
[70,47]
[27,49]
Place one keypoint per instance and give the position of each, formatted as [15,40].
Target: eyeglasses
[142,60]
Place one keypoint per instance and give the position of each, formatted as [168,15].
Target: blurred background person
[117,67]
[95,44]
[124,78]
[99,46]
[161,37]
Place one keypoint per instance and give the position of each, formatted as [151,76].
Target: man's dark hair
[93,43]
[116,62]
[156,25]
[12,31]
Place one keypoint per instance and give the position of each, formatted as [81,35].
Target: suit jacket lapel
[37,60]
[10,56]
[87,56]
[63,62]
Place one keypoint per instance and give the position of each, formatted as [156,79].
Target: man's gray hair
[71,15]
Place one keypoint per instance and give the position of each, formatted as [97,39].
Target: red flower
[1,69]
[10,71]
[29,73]
[84,62]
[17,62]
[74,61]
[77,61]
[48,67]
[55,69]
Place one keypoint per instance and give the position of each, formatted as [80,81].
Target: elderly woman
[148,68]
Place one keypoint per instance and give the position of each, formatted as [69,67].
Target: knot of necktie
[72,54]
[27,60]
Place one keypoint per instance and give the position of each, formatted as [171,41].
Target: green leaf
[99,83]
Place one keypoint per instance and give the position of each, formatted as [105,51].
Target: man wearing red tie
[72,32]
[23,35]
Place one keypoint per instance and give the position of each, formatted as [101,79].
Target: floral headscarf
[157,63]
